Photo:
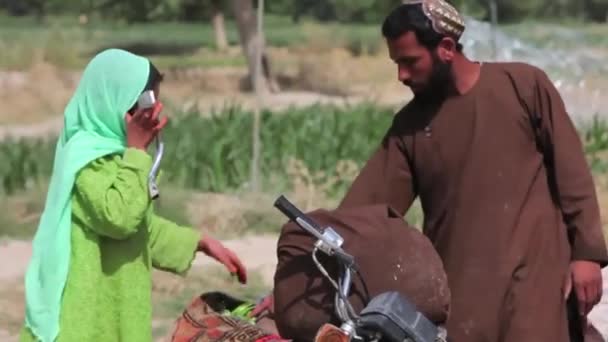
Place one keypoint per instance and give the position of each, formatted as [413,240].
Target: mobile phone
[146,100]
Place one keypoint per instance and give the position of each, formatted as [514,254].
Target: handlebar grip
[288,209]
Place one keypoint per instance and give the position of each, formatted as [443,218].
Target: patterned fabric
[445,18]
[203,322]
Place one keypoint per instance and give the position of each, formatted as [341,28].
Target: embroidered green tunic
[116,240]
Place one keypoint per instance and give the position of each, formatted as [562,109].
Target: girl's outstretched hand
[217,251]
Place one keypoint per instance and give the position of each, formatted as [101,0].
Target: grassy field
[64,42]
[321,146]
[308,152]
[212,153]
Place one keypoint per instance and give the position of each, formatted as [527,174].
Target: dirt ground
[257,252]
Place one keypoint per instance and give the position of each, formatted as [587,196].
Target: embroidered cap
[445,18]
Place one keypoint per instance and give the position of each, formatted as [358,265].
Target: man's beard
[439,84]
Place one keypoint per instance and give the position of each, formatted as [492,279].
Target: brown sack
[390,254]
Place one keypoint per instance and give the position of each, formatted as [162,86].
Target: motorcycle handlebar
[290,210]
[297,216]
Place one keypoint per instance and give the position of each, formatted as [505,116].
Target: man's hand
[586,277]
[143,126]
[216,250]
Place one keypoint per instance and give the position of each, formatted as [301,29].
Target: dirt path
[276,102]
[257,252]
[41,129]
[14,257]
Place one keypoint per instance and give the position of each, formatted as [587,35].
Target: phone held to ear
[146,101]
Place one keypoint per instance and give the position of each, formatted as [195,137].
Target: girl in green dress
[89,278]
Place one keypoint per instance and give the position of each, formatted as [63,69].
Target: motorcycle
[388,317]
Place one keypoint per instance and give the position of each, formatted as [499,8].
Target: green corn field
[25,163]
[212,153]
[596,147]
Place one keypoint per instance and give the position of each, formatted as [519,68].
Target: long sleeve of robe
[573,183]
[116,240]
[385,172]
[505,214]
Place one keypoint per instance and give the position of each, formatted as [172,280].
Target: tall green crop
[213,152]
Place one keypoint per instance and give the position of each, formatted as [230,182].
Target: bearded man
[508,198]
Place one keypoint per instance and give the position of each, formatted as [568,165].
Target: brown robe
[491,207]
[390,255]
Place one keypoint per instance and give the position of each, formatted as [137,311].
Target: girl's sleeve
[111,194]
[172,247]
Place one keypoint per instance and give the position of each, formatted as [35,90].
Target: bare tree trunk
[257,119]
[251,41]
[40,10]
[219,28]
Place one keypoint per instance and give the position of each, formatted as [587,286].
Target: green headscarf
[94,126]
